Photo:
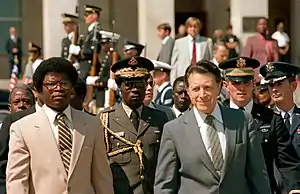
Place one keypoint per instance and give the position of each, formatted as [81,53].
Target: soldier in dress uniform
[161,77]
[281,80]
[70,24]
[132,130]
[132,49]
[34,60]
[275,139]
[91,16]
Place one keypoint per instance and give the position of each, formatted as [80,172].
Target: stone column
[53,30]
[150,14]
[246,8]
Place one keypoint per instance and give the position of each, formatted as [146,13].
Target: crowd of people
[204,117]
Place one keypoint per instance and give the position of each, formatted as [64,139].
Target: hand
[295,191]
[73,49]
[112,84]
[15,50]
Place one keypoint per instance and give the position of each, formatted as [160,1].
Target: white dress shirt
[282,38]
[162,86]
[37,107]
[290,112]
[177,112]
[248,107]
[218,121]
[164,41]
[51,114]
[92,25]
[191,40]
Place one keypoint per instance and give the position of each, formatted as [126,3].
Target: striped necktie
[64,141]
[214,143]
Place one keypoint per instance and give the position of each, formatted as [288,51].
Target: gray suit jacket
[185,167]
[181,57]
[165,52]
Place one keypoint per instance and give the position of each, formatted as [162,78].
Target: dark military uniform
[133,149]
[275,139]
[65,44]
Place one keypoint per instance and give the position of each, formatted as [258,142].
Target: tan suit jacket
[35,166]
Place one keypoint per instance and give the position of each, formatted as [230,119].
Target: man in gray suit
[165,53]
[190,49]
[210,149]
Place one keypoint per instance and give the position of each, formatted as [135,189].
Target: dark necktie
[287,120]
[134,117]
[180,115]
[194,53]
[64,140]
[214,142]
[241,108]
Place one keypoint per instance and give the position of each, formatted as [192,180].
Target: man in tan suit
[57,150]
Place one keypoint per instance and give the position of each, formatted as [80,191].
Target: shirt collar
[177,112]
[191,38]
[13,37]
[51,114]
[128,110]
[37,107]
[200,116]
[162,86]
[91,26]
[248,107]
[70,35]
[282,112]
[165,39]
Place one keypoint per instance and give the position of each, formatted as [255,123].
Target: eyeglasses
[63,84]
[134,84]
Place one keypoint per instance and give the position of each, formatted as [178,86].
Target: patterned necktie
[287,120]
[64,140]
[134,117]
[214,142]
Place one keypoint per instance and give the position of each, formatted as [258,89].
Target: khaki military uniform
[132,153]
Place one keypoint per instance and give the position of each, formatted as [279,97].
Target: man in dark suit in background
[165,53]
[275,141]
[14,49]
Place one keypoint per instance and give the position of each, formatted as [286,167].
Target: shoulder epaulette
[108,109]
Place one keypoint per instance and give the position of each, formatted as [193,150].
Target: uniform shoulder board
[108,109]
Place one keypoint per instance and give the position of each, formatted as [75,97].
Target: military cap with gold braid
[239,69]
[277,71]
[89,9]
[68,18]
[33,47]
[133,67]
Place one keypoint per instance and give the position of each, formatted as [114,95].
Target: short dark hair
[165,26]
[23,87]
[229,27]
[57,65]
[203,66]
[177,80]
[80,87]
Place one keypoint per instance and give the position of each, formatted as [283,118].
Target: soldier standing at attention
[132,130]
[91,17]
[70,23]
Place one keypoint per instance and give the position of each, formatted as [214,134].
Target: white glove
[73,49]
[295,191]
[90,80]
[112,84]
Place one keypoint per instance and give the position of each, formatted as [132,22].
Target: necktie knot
[209,119]
[286,116]
[60,116]
[134,114]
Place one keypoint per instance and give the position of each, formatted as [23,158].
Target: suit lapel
[193,132]
[144,121]
[121,118]
[230,133]
[79,132]
[295,120]
[48,141]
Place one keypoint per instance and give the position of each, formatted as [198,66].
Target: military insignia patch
[241,63]
[270,67]
[132,61]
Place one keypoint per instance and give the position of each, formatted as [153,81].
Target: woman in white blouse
[283,41]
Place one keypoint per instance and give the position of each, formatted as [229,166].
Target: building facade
[40,20]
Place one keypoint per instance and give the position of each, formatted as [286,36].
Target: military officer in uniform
[70,24]
[132,130]
[91,16]
[161,77]
[275,139]
[132,49]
